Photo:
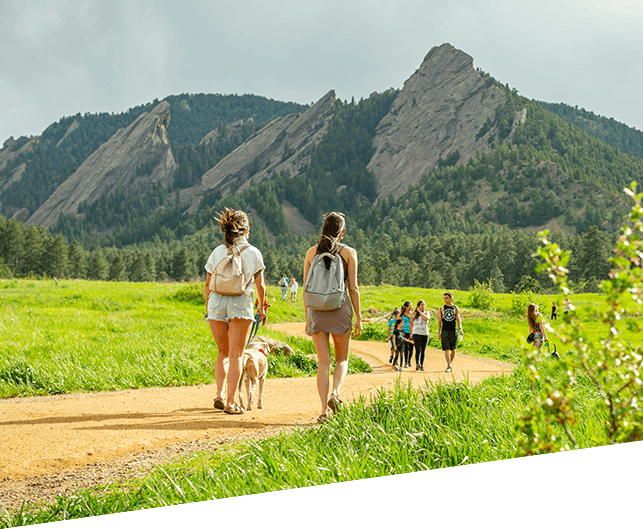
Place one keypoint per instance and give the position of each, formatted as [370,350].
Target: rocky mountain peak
[439,111]
[285,144]
[136,157]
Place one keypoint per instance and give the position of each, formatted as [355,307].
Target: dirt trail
[55,442]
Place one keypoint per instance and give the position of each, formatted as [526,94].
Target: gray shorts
[225,308]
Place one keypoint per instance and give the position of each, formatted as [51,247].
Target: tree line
[453,260]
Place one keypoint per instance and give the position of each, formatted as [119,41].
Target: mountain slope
[137,158]
[439,112]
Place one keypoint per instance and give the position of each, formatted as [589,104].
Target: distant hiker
[231,316]
[389,335]
[294,286]
[554,311]
[283,283]
[407,309]
[448,316]
[320,325]
[536,328]
[400,342]
[420,334]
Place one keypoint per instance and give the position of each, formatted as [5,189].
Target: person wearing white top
[420,333]
[231,317]
[294,286]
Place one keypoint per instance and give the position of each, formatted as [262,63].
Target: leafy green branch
[613,366]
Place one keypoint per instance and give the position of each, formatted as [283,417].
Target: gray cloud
[70,56]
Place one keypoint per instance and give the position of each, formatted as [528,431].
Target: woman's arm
[260,285]
[353,289]
[308,260]
[207,292]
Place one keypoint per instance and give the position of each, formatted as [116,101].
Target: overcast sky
[58,58]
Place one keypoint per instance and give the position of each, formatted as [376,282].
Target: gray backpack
[325,289]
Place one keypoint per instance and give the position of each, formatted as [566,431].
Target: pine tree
[117,271]
[98,266]
[77,261]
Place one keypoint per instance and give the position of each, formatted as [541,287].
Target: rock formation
[284,144]
[440,110]
[134,158]
[11,150]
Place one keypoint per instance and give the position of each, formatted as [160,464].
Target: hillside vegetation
[461,224]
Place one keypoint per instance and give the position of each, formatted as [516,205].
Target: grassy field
[64,336]
[70,336]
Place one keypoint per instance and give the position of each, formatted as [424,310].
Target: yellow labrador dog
[254,369]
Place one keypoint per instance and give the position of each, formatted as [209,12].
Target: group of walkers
[408,330]
[230,316]
[286,285]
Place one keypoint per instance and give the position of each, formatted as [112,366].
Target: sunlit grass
[401,430]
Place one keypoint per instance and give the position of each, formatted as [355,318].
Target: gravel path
[51,446]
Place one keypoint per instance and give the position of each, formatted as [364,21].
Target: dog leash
[254,328]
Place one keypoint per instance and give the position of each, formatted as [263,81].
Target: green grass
[401,430]
[71,336]
[59,336]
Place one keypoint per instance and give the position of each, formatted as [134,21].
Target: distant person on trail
[389,336]
[407,309]
[231,316]
[320,325]
[554,311]
[448,317]
[536,329]
[400,342]
[420,334]
[294,286]
[283,283]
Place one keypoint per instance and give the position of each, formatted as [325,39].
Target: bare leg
[448,357]
[220,333]
[342,348]
[230,339]
[238,332]
[321,340]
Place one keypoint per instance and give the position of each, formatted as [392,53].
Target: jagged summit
[284,144]
[439,111]
[136,157]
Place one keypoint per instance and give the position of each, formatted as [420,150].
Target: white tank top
[420,326]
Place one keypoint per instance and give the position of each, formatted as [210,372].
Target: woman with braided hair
[321,325]
[231,317]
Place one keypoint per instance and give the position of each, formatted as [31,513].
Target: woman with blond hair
[321,325]
[230,317]
[536,329]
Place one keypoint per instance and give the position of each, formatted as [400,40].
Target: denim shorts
[225,308]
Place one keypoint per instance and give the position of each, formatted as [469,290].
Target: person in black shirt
[448,316]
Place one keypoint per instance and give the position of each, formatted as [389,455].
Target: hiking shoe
[218,404]
[421,368]
[417,368]
[448,369]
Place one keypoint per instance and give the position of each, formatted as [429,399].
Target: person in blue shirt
[407,321]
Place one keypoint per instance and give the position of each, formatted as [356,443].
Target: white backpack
[228,278]
[325,289]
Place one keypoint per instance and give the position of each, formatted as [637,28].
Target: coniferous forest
[462,223]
